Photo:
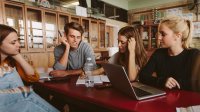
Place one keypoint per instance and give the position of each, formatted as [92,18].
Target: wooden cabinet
[51,35]
[102,27]
[36,59]
[85,22]
[76,19]
[1,13]
[35,32]
[97,34]
[94,31]
[109,37]
[50,59]
[14,17]
[149,36]
[63,18]
[39,29]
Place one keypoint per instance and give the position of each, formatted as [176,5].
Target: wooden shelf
[38,23]
[13,15]
[151,41]
[74,18]
[85,22]
[50,19]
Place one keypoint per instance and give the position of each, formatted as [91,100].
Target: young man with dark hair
[71,55]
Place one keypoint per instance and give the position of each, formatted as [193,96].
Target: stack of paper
[104,78]
[44,74]
[98,79]
[195,108]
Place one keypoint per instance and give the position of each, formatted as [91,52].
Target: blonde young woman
[132,54]
[173,63]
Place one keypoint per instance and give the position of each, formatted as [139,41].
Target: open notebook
[44,74]
[98,79]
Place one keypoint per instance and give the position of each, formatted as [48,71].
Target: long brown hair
[4,32]
[140,52]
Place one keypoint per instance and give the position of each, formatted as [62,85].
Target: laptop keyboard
[140,92]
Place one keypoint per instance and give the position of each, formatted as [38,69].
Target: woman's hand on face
[172,83]
[64,41]
[131,45]
[58,73]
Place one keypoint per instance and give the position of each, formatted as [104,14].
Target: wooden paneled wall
[45,60]
[1,13]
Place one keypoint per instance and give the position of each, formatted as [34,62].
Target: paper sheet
[195,108]
[98,79]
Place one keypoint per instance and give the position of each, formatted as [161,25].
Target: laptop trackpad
[146,88]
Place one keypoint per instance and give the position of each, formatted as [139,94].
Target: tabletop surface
[116,101]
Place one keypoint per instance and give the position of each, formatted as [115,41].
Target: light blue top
[11,80]
[20,102]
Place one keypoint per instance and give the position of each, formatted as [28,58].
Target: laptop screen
[118,78]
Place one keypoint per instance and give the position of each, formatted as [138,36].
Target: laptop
[119,80]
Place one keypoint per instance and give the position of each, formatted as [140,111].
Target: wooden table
[110,99]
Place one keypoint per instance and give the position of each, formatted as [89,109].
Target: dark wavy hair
[75,26]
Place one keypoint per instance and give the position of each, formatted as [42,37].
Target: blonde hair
[180,25]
